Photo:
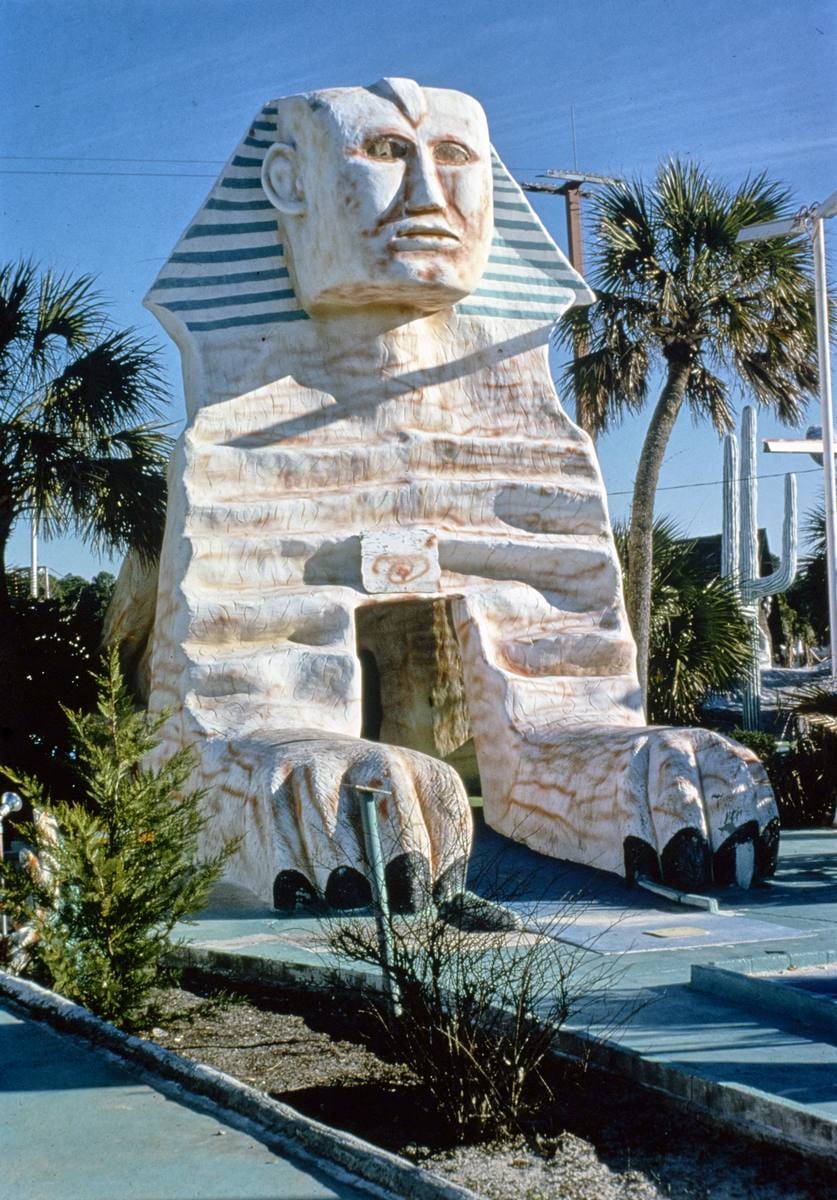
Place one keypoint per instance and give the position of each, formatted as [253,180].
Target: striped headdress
[228,270]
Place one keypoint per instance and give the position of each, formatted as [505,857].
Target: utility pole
[571,190]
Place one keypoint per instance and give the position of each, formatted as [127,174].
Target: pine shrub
[105,882]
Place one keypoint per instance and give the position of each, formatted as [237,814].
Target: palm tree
[78,450]
[683,307]
[77,398]
[699,636]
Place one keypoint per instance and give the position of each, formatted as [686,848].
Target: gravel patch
[601,1139]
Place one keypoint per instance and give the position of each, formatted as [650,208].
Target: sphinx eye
[451,154]
[386,149]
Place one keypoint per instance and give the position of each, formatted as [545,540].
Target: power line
[216,162]
[109,174]
[679,487]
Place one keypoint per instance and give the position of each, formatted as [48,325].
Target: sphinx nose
[422,187]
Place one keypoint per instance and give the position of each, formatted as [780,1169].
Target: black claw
[686,860]
[291,890]
[474,914]
[723,866]
[767,850]
[347,888]
[640,859]
[408,882]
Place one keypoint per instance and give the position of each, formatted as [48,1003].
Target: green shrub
[699,637]
[106,881]
[803,769]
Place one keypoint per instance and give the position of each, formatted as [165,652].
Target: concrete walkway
[77,1125]
[764,1072]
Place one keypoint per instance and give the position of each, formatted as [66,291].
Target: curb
[734,1106]
[759,1115]
[769,995]
[302,1137]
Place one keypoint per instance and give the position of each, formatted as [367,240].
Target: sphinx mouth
[417,233]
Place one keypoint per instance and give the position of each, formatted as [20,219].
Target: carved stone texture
[363,305]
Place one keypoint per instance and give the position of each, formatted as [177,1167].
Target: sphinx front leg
[291,795]
[568,766]
[686,807]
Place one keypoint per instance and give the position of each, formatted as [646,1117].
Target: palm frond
[68,310]
[16,287]
[78,404]
[700,639]
[815,707]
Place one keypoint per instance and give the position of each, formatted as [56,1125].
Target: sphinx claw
[291,890]
[347,888]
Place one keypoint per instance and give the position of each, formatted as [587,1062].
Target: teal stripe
[241,183]
[196,281]
[508,314]
[270,126]
[210,256]
[508,223]
[540,245]
[547,264]
[563,274]
[224,230]
[239,205]
[515,295]
[296,314]
[258,143]
[238,161]
[544,281]
[516,206]
[231,301]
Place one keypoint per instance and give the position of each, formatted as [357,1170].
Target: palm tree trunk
[640,533]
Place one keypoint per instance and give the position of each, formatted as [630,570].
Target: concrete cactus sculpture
[388,551]
[740,548]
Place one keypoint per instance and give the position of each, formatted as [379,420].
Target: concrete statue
[388,559]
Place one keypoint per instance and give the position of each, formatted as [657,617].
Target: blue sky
[133,105]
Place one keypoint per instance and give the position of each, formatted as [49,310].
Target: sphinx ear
[280,180]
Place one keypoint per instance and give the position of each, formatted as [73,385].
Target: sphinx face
[384,201]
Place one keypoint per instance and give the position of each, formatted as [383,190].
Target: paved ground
[75,1125]
[110,1134]
[734,1059]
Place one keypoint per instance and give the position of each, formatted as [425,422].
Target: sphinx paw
[712,820]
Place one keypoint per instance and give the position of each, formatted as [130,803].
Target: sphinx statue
[388,560]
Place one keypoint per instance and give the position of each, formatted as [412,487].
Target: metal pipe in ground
[10,803]
[380,897]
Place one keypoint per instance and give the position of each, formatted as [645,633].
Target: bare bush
[475,1012]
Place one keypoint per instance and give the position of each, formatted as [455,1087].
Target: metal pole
[824,364]
[33,556]
[10,802]
[380,897]
[575,233]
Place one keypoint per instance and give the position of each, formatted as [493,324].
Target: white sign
[400,560]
